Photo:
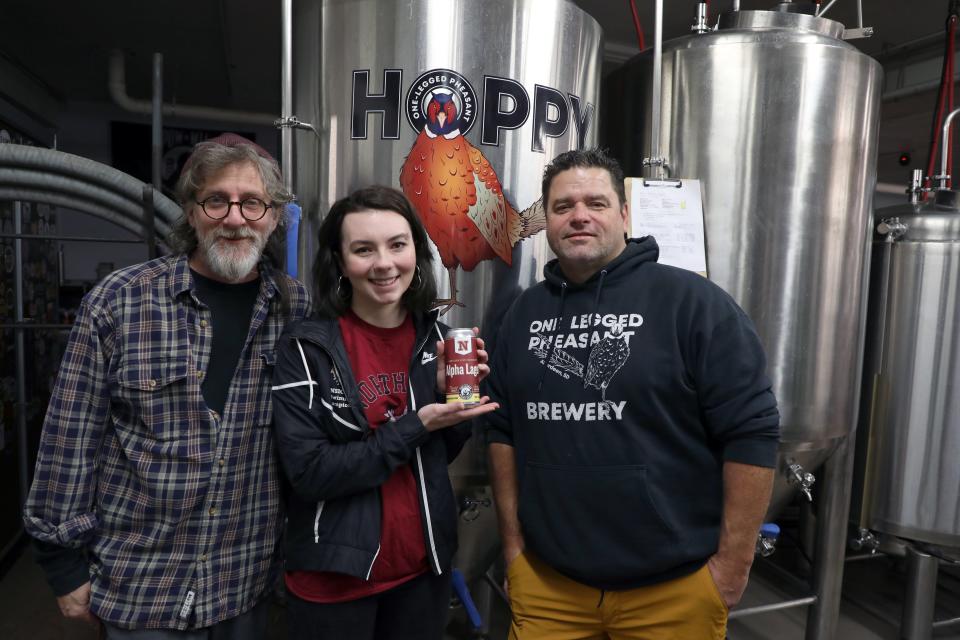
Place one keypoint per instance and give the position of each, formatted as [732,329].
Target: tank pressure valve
[806,480]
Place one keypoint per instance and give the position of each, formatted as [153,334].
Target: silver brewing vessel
[777,116]
[912,369]
[528,74]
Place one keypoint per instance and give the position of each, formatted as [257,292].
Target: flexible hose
[49,161]
[81,204]
[637,26]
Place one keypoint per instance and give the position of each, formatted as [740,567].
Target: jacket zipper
[316,522]
[423,484]
[426,502]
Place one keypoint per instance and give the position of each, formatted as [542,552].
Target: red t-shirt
[380,359]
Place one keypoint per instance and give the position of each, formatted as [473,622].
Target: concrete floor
[873,591]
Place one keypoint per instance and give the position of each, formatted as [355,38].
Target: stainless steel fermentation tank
[912,374]
[525,74]
[777,117]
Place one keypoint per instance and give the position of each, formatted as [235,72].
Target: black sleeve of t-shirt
[66,568]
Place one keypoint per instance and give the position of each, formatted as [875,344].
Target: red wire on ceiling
[637,26]
[945,101]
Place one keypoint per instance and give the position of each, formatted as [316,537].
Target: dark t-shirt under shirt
[231,306]
[380,360]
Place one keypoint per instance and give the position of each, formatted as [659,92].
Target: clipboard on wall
[672,212]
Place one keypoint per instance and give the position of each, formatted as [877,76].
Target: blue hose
[293,236]
[460,587]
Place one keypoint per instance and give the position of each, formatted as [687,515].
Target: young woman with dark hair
[364,435]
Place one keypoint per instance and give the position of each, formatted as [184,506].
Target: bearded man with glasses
[155,507]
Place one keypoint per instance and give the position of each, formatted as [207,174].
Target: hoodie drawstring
[546,362]
[596,299]
[553,342]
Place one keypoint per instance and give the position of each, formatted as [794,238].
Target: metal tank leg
[827,577]
[807,525]
[920,596]
[483,596]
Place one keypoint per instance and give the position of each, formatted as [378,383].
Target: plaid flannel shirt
[178,508]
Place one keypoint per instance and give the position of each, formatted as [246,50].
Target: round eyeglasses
[218,207]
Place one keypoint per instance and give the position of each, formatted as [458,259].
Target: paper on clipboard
[671,212]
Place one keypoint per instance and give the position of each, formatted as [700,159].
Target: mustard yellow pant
[548,605]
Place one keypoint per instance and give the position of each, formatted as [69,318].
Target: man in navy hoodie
[632,456]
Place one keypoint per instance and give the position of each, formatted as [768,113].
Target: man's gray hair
[209,158]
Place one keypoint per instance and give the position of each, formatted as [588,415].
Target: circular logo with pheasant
[465,391]
[432,91]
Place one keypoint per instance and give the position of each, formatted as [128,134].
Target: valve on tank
[796,475]
[470,507]
[700,23]
[892,228]
[865,541]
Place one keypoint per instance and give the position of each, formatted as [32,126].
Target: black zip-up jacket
[336,463]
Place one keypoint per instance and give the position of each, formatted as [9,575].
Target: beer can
[462,368]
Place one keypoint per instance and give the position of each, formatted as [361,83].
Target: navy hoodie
[623,396]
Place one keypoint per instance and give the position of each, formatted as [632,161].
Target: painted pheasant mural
[458,195]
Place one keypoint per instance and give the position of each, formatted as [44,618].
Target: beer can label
[462,368]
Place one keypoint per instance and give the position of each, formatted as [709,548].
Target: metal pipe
[806,537]
[657,87]
[30,179]
[826,8]
[34,325]
[920,595]
[497,589]
[149,230]
[944,147]
[941,624]
[827,578]
[776,606]
[900,51]
[286,91]
[64,191]
[890,187]
[864,556]
[20,355]
[93,207]
[156,121]
[41,236]
[735,6]
[700,23]
[860,14]
[916,186]
[117,85]
[785,577]
[60,164]
[906,92]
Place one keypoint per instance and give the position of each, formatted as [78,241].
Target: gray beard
[232,263]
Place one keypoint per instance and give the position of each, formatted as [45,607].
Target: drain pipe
[945,144]
[156,148]
[156,120]
[117,85]
[656,160]
[20,356]
[286,92]
[286,124]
